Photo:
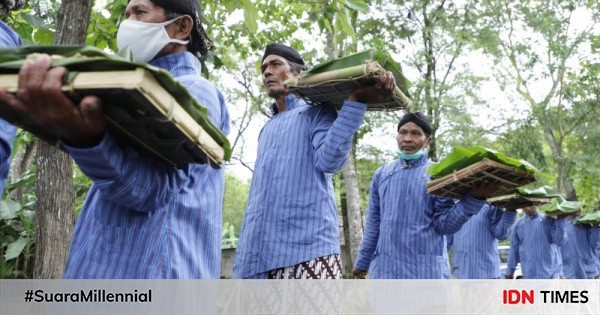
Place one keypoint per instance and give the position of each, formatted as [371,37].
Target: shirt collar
[534,216]
[291,101]
[179,64]
[413,163]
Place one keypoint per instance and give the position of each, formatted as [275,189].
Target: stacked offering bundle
[522,197]
[143,104]
[466,167]
[592,218]
[562,207]
[333,81]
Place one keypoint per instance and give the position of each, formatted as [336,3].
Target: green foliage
[229,237]
[17,239]
[36,22]
[234,203]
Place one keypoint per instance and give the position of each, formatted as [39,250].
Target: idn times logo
[547,296]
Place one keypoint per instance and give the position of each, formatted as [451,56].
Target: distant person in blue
[475,246]
[290,228]
[142,218]
[405,232]
[535,243]
[8,38]
[578,251]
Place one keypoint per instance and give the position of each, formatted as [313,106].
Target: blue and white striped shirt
[535,244]
[8,38]
[143,218]
[291,216]
[475,254]
[578,257]
[404,234]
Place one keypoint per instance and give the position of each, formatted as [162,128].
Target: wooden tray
[457,184]
[518,200]
[332,88]
[141,112]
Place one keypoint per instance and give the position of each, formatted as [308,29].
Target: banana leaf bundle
[592,218]
[143,104]
[466,167]
[522,197]
[562,207]
[333,81]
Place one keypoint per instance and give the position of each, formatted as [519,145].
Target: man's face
[144,11]
[275,70]
[531,210]
[411,138]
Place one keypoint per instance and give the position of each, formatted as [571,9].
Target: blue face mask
[410,156]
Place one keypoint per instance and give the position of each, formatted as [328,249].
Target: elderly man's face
[144,11]
[531,210]
[275,70]
[411,138]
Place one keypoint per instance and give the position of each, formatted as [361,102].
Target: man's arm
[136,181]
[449,217]
[332,141]
[371,234]
[501,221]
[558,234]
[593,235]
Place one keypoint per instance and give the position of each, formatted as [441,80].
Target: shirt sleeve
[371,234]
[332,137]
[594,237]
[449,217]
[127,178]
[7,136]
[502,222]
[558,233]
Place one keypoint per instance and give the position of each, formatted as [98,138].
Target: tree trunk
[354,216]
[55,215]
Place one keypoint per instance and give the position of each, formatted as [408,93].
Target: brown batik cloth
[326,267]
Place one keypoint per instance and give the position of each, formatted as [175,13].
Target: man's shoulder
[8,37]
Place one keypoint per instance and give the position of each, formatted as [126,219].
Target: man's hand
[359,274]
[484,190]
[40,98]
[376,93]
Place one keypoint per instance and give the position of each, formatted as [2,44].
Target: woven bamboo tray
[141,112]
[334,87]
[518,200]
[457,184]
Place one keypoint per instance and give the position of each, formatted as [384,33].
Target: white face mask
[145,40]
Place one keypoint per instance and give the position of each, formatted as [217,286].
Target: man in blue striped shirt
[290,228]
[578,256]
[535,243]
[475,254]
[8,38]
[404,234]
[142,218]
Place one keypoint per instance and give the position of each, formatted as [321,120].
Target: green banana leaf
[589,218]
[359,58]
[86,58]
[461,157]
[561,207]
[543,191]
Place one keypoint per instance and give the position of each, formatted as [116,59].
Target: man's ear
[184,26]
[429,139]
